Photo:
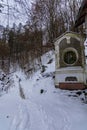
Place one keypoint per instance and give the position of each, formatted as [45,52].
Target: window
[70,57]
[71,79]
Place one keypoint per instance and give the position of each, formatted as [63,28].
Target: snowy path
[54,118]
[21,120]
[31,116]
[44,112]
[34,116]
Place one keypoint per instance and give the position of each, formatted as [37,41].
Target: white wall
[77,72]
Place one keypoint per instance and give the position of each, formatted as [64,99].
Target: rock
[43,68]
[7,116]
[41,91]
[79,93]
[50,61]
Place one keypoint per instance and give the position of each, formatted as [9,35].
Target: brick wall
[71,86]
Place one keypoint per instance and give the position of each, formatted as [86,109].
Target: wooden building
[82,14]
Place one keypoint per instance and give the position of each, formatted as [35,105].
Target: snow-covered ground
[35,104]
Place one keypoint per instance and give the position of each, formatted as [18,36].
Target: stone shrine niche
[70,62]
[70,53]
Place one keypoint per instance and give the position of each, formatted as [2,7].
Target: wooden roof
[81,14]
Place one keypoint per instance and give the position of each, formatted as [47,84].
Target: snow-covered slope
[35,104]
